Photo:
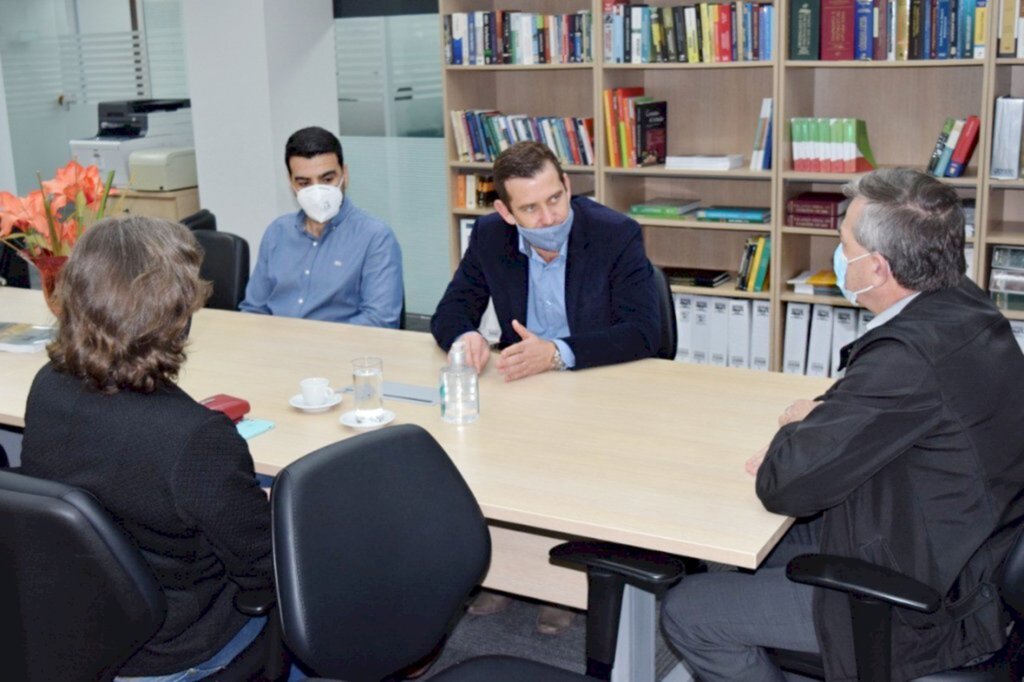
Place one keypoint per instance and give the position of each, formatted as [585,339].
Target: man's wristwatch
[557,363]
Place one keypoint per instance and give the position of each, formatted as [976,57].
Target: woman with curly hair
[106,415]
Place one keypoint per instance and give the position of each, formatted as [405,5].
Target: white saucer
[349,420]
[298,403]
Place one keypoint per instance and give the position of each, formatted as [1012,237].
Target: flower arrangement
[50,219]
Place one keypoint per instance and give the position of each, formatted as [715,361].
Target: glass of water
[368,389]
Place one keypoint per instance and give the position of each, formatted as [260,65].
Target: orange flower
[49,220]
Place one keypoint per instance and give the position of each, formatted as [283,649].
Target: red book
[725,32]
[818,203]
[964,148]
[823,222]
[837,21]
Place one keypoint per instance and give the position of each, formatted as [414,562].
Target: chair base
[506,669]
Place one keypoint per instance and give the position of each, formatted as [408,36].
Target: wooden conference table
[648,453]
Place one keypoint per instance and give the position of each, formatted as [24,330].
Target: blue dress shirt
[351,273]
[545,299]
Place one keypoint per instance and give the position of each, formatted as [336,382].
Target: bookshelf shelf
[520,67]
[701,224]
[1010,233]
[812,231]
[1005,184]
[727,290]
[790,297]
[1014,314]
[968,180]
[615,66]
[871,64]
[1009,61]
[733,173]
[462,210]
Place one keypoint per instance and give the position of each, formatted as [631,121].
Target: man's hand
[797,411]
[530,356]
[478,351]
[754,463]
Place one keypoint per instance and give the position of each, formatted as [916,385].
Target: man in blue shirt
[330,260]
[571,284]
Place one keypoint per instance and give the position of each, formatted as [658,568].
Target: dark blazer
[610,296]
[179,479]
[916,458]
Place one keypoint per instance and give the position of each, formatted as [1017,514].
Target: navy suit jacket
[610,296]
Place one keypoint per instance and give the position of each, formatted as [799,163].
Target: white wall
[7,178]
[257,72]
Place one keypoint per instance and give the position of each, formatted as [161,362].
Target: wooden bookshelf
[713,108]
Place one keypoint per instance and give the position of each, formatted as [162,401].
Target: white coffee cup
[316,391]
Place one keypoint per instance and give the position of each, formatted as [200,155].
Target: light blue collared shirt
[351,273]
[545,300]
[891,312]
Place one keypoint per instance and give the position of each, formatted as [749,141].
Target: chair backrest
[1011,581]
[669,338]
[13,268]
[200,220]
[77,597]
[377,544]
[226,264]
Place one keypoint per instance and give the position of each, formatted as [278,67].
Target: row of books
[702,32]
[893,30]
[1006,138]
[513,37]
[823,210]
[755,264]
[1006,278]
[482,134]
[727,332]
[814,335]
[474,191]
[831,145]
[954,147]
[635,128]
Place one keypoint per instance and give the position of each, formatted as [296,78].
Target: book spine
[980,28]
[864,34]
[964,148]
[819,221]
[812,207]
[947,151]
[837,29]
[940,144]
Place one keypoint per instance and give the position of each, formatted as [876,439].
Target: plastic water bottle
[460,395]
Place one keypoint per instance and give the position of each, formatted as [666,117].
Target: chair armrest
[255,602]
[646,569]
[863,580]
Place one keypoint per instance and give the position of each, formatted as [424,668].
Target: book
[745,214]
[20,337]
[844,332]
[759,335]
[712,162]
[696,277]
[718,346]
[700,335]
[684,326]
[823,222]
[818,203]
[1006,138]
[964,148]
[864,30]
[739,333]
[837,29]
[940,144]
[664,207]
[758,274]
[947,149]
[651,121]
[794,347]
[804,29]
[819,346]
[759,160]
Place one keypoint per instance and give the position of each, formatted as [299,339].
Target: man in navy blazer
[571,284]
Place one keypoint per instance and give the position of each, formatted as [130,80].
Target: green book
[804,29]
[762,266]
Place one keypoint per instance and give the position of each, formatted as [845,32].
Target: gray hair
[915,222]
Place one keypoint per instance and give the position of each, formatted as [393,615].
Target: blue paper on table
[410,393]
[250,428]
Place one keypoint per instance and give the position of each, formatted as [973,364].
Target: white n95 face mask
[320,202]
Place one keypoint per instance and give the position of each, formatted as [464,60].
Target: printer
[163,169]
[130,125]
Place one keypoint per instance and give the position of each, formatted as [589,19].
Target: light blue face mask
[547,238]
[839,264]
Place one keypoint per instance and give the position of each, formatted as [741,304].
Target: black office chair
[78,597]
[669,333]
[873,592]
[378,543]
[226,264]
[201,220]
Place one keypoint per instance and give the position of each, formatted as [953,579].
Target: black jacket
[179,479]
[916,458]
[610,297]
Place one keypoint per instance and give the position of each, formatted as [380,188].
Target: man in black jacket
[913,459]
